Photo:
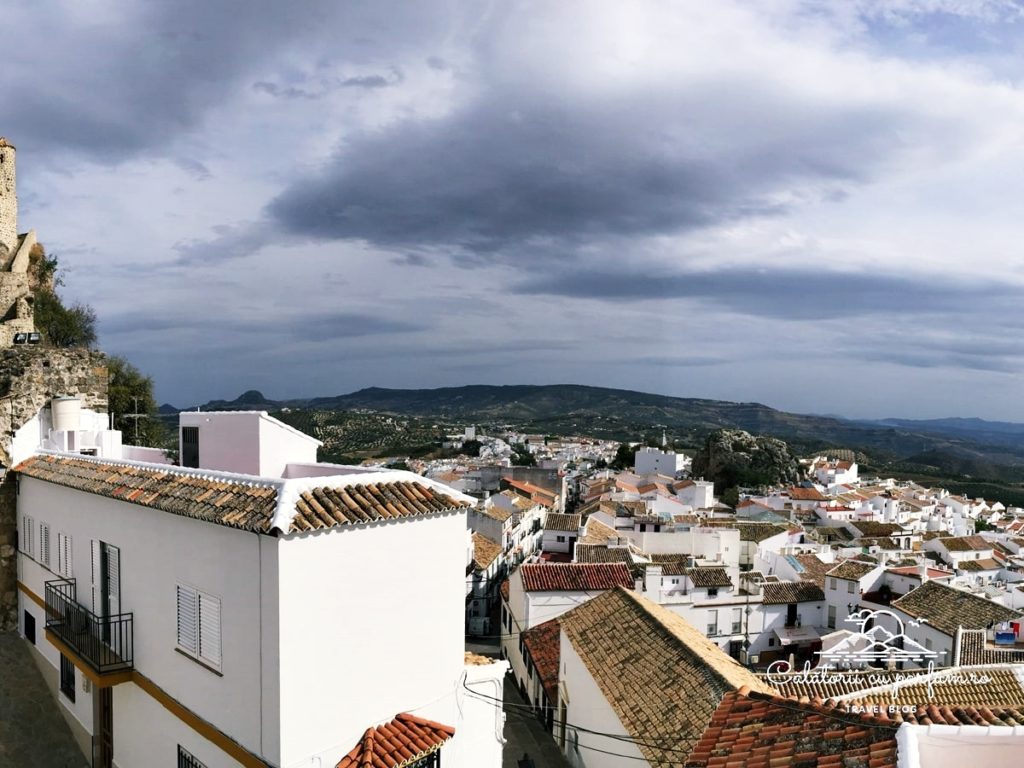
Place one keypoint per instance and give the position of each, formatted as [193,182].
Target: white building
[240,619]
[649,461]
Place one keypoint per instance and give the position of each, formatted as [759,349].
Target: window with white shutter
[199,625]
[44,544]
[64,555]
[27,535]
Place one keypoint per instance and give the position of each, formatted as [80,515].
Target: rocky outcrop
[732,457]
[29,378]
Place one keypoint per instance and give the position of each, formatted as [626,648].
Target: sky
[817,206]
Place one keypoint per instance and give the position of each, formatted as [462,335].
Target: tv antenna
[135,417]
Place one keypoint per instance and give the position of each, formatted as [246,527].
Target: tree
[625,457]
[129,391]
[60,325]
[521,456]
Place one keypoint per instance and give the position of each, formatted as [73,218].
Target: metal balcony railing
[104,643]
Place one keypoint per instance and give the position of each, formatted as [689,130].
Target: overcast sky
[818,206]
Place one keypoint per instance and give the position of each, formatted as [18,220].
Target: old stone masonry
[29,375]
[15,251]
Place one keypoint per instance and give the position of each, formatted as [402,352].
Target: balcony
[104,643]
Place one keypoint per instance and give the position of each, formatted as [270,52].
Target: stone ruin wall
[8,201]
[29,378]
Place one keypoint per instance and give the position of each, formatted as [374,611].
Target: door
[106,591]
[103,740]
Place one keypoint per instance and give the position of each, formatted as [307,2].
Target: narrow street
[32,729]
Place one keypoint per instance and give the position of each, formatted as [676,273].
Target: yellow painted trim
[205,729]
[100,681]
[32,596]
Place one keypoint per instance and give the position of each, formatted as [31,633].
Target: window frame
[67,678]
[204,656]
[65,555]
[44,545]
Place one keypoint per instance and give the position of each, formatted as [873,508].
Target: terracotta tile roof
[955,687]
[812,568]
[596,532]
[751,730]
[876,529]
[660,675]
[837,683]
[806,494]
[926,713]
[749,531]
[329,507]
[914,572]
[947,608]
[485,550]
[573,577]
[852,570]
[987,564]
[236,504]
[501,514]
[785,592]
[602,553]
[965,543]
[884,543]
[399,743]
[709,577]
[973,649]
[559,522]
[544,645]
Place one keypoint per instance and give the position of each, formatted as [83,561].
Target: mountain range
[972,448]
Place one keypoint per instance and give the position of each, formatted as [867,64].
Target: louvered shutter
[64,555]
[209,629]
[44,544]
[97,579]
[28,532]
[113,579]
[188,620]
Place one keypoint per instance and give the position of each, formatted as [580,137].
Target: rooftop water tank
[66,413]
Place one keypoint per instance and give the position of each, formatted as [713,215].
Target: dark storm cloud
[323,87]
[132,78]
[518,168]
[314,325]
[782,293]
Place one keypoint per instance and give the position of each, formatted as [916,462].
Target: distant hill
[957,446]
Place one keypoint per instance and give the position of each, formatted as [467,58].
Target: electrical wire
[498,703]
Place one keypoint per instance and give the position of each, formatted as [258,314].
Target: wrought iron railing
[105,643]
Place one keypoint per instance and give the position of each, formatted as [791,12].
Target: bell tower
[8,199]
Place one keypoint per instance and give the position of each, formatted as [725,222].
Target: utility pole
[135,417]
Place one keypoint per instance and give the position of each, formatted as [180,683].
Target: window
[737,620]
[712,591]
[190,447]
[27,535]
[30,627]
[44,544]
[712,623]
[849,587]
[832,583]
[187,760]
[560,539]
[67,677]
[199,625]
[831,617]
[928,643]
[64,555]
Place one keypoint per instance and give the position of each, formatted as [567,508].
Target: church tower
[8,199]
